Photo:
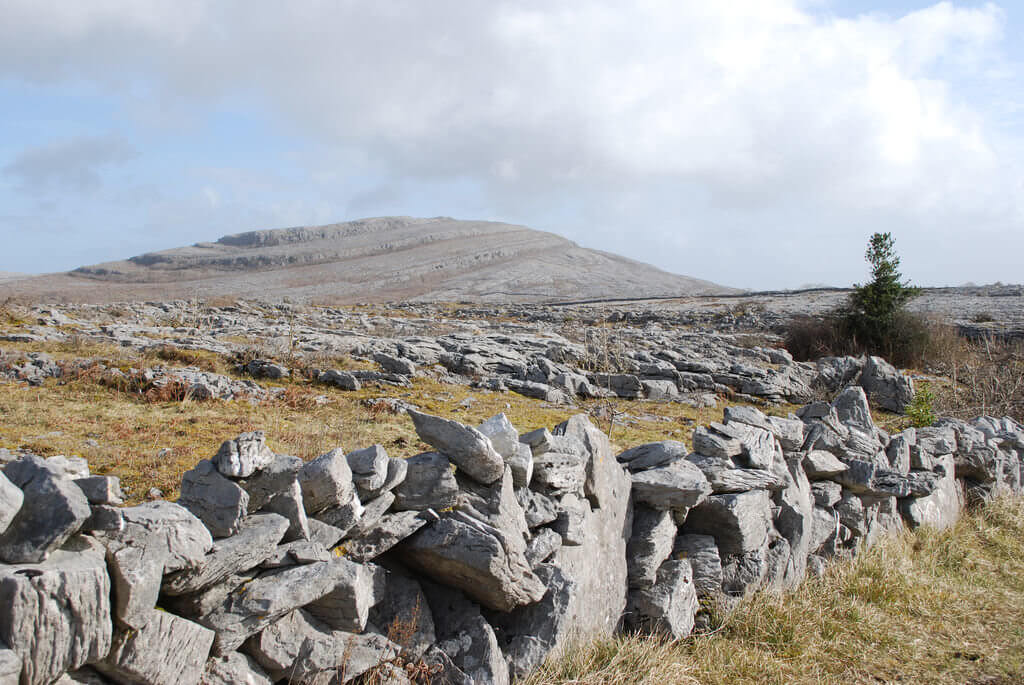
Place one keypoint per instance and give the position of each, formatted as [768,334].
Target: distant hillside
[382,259]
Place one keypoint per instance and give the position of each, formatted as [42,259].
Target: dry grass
[924,607]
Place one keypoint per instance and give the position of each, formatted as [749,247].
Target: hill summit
[380,259]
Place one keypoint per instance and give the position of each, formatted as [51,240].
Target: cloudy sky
[755,143]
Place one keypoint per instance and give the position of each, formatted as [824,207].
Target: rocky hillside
[382,259]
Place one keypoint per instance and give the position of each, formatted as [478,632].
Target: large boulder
[468,448]
[886,386]
[326,482]
[219,503]
[243,456]
[165,650]
[739,522]
[56,614]
[669,605]
[53,509]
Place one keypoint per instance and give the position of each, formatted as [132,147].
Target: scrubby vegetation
[925,607]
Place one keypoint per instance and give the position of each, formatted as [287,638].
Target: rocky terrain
[382,259]
[467,564]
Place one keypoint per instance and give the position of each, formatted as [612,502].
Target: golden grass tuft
[923,607]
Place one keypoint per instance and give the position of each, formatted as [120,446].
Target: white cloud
[758,113]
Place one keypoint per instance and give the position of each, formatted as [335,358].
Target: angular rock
[476,558]
[10,666]
[678,486]
[234,669]
[794,519]
[369,468]
[556,473]
[52,510]
[539,509]
[724,477]
[256,540]
[739,522]
[713,444]
[243,456]
[467,447]
[789,432]
[826,493]
[55,615]
[545,543]
[503,435]
[142,655]
[387,532]
[652,455]
[654,534]
[219,503]
[339,379]
[101,489]
[278,645]
[852,408]
[345,657]
[521,464]
[495,504]
[668,606]
[820,465]
[465,636]
[398,469]
[597,450]
[539,441]
[296,553]
[528,634]
[758,445]
[269,596]
[398,365]
[323,534]
[11,498]
[356,588]
[326,482]
[403,614]
[886,386]
[940,509]
[346,517]
[275,488]
[429,484]
[898,450]
[702,553]
[571,520]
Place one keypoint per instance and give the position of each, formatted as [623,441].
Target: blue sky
[755,143]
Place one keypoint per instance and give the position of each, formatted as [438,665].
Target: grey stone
[713,444]
[898,450]
[653,454]
[540,548]
[296,553]
[10,666]
[219,503]
[794,519]
[429,484]
[758,445]
[739,522]
[53,509]
[278,645]
[167,527]
[135,573]
[660,389]
[539,441]
[468,448]
[356,588]
[475,558]
[654,534]
[852,408]
[270,595]
[369,468]
[622,384]
[55,614]
[397,471]
[233,669]
[392,364]
[326,482]
[11,498]
[820,465]
[495,504]
[264,368]
[528,634]
[403,614]
[142,654]
[789,432]
[346,517]
[940,509]
[598,566]
[852,514]
[702,553]
[323,534]
[556,473]
[521,464]
[825,529]
[571,520]
[209,600]
[289,504]
[339,379]
[678,486]
[826,493]
[255,541]
[503,435]
[751,416]
[724,477]
[746,572]
[539,509]
[243,456]
[597,450]
[387,532]
[465,636]
[886,386]
[101,489]
[275,488]
[371,514]
[669,605]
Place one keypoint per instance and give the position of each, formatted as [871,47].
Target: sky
[753,143]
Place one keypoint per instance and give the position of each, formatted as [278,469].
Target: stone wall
[468,564]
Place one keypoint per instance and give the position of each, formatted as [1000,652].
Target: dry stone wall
[468,564]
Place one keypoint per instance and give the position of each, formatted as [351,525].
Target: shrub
[920,411]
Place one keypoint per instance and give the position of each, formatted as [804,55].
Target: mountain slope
[381,259]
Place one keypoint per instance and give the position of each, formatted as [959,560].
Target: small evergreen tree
[873,316]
